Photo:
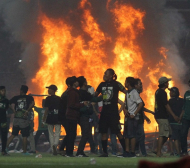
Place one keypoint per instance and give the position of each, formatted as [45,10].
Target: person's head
[164,82]
[51,89]
[2,91]
[109,75]
[67,81]
[130,82]
[82,81]
[43,102]
[23,90]
[73,82]
[174,92]
[138,85]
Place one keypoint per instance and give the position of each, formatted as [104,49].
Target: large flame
[63,54]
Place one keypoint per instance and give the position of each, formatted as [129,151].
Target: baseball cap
[52,87]
[2,87]
[24,88]
[163,80]
[175,90]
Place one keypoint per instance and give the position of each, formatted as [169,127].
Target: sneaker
[81,155]
[54,150]
[32,152]
[114,154]
[69,156]
[104,155]
[62,153]
[132,155]
[125,154]
[172,154]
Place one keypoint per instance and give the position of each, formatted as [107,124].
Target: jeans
[91,140]
[71,129]
[85,130]
[3,137]
[64,142]
[140,139]
[185,130]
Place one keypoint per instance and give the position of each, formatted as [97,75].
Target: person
[85,113]
[31,136]
[63,117]
[109,116]
[176,104]
[21,106]
[134,106]
[4,105]
[140,138]
[185,120]
[51,117]
[42,128]
[72,114]
[162,108]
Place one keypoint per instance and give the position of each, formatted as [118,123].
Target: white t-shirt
[133,99]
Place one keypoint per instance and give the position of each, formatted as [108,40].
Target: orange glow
[64,55]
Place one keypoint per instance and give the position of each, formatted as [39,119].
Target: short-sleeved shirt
[133,99]
[176,105]
[110,91]
[54,104]
[160,103]
[40,112]
[4,105]
[22,103]
[186,106]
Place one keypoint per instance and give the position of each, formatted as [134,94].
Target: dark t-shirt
[62,115]
[54,104]
[4,105]
[160,102]
[176,105]
[141,114]
[110,91]
[22,103]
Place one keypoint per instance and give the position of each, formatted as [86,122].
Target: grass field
[49,161]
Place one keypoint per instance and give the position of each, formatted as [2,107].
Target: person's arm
[94,109]
[148,111]
[29,108]
[140,106]
[122,106]
[168,108]
[146,118]
[98,90]
[12,107]
[45,114]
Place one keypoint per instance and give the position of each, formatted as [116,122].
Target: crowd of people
[77,106]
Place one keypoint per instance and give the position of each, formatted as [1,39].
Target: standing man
[176,104]
[162,108]
[52,109]
[134,105]
[4,105]
[21,106]
[185,118]
[140,139]
[42,128]
[72,114]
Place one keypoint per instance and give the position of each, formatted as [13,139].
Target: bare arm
[122,106]
[45,114]
[148,111]
[29,108]
[140,106]
[146,118]
[181,115]
[12,107]
[176,118]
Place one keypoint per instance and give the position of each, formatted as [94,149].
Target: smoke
[163,28]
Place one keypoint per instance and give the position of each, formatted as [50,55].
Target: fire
[64,54]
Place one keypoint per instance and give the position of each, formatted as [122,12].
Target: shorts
[164,127]
[130,129]
[24,131]
[109,122]
[176,131]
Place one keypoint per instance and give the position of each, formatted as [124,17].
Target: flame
[64,54]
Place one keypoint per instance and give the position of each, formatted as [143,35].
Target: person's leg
[91,140]
[25,132]
[185,129]
[3,139]
[176,143]
[64,141]
[57,134]
[114,143]
[37,136]
[32,142]
[15,132]
[142,140]
[24,144]
[46,133]
[104,142]
[133,143]
[51,135]
[171,146]
[85,129]
[127,144]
